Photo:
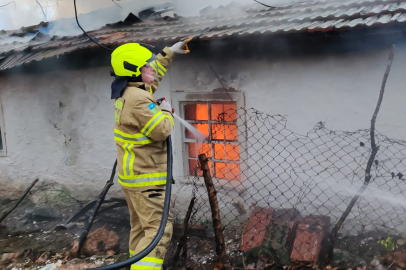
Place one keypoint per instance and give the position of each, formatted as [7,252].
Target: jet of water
[380,194]
[198,135]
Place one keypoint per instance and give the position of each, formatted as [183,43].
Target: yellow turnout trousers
[146,207]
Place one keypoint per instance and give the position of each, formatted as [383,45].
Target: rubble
[110,252]
[396,257]
[8,257]
[43,258]
[49,267]
[74,250]
[401,242]
[99,242]
[376,264]
[74,264]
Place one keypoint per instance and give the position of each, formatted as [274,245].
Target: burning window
[217,121]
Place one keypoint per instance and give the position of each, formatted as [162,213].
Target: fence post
[182,242]
[368,176]
[83,236]
[215,213]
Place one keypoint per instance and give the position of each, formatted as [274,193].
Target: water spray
[200,137]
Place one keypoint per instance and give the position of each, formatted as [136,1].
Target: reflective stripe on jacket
[140,132]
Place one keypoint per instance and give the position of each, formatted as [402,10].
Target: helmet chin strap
[152,77]
[155,71]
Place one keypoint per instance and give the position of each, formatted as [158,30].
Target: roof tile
[384,19]
[401,18]
[401,7]
[224,22]
[324,26]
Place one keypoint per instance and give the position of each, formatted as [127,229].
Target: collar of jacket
[137,84]
[120,83]
[141,85]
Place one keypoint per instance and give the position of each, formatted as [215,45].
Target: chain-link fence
[280,194]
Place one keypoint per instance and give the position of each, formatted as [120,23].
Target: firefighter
[141,128]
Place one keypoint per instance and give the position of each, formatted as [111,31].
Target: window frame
[3,152]
[213,141]
[178,99]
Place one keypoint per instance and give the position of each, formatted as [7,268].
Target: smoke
[192,8]
[9,40]
[95,14]
[29,12]
[98,13]
[98,18]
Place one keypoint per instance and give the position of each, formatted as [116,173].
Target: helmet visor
[153,58]
[151,71]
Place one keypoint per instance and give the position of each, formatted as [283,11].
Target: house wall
[59,123]
[340,89]
[58,127]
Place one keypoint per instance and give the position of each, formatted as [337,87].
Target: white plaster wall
[59,124]
[340,89]
[59,127]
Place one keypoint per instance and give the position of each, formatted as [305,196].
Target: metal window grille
[212,119]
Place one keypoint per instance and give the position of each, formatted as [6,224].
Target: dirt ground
[32,225]
[31,242]
[28,240]
[57,262]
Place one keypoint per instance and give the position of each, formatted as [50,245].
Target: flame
[202,148]
[196,112]
[227,132]
[221,132]
[232,151]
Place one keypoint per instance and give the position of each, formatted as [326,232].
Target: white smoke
[100,12]
[95,14]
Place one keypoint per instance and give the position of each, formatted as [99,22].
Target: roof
[222,22]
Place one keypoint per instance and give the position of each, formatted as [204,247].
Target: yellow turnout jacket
[140,131]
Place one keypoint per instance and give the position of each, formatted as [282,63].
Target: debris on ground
[43,258]
[61,264]
[8,258]
[99,242]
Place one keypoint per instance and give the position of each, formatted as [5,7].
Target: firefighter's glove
[181,47]
[165,106]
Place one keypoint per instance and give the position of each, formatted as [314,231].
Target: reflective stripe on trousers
[142,180]
[148,263]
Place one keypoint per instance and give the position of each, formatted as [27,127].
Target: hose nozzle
[159,100]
